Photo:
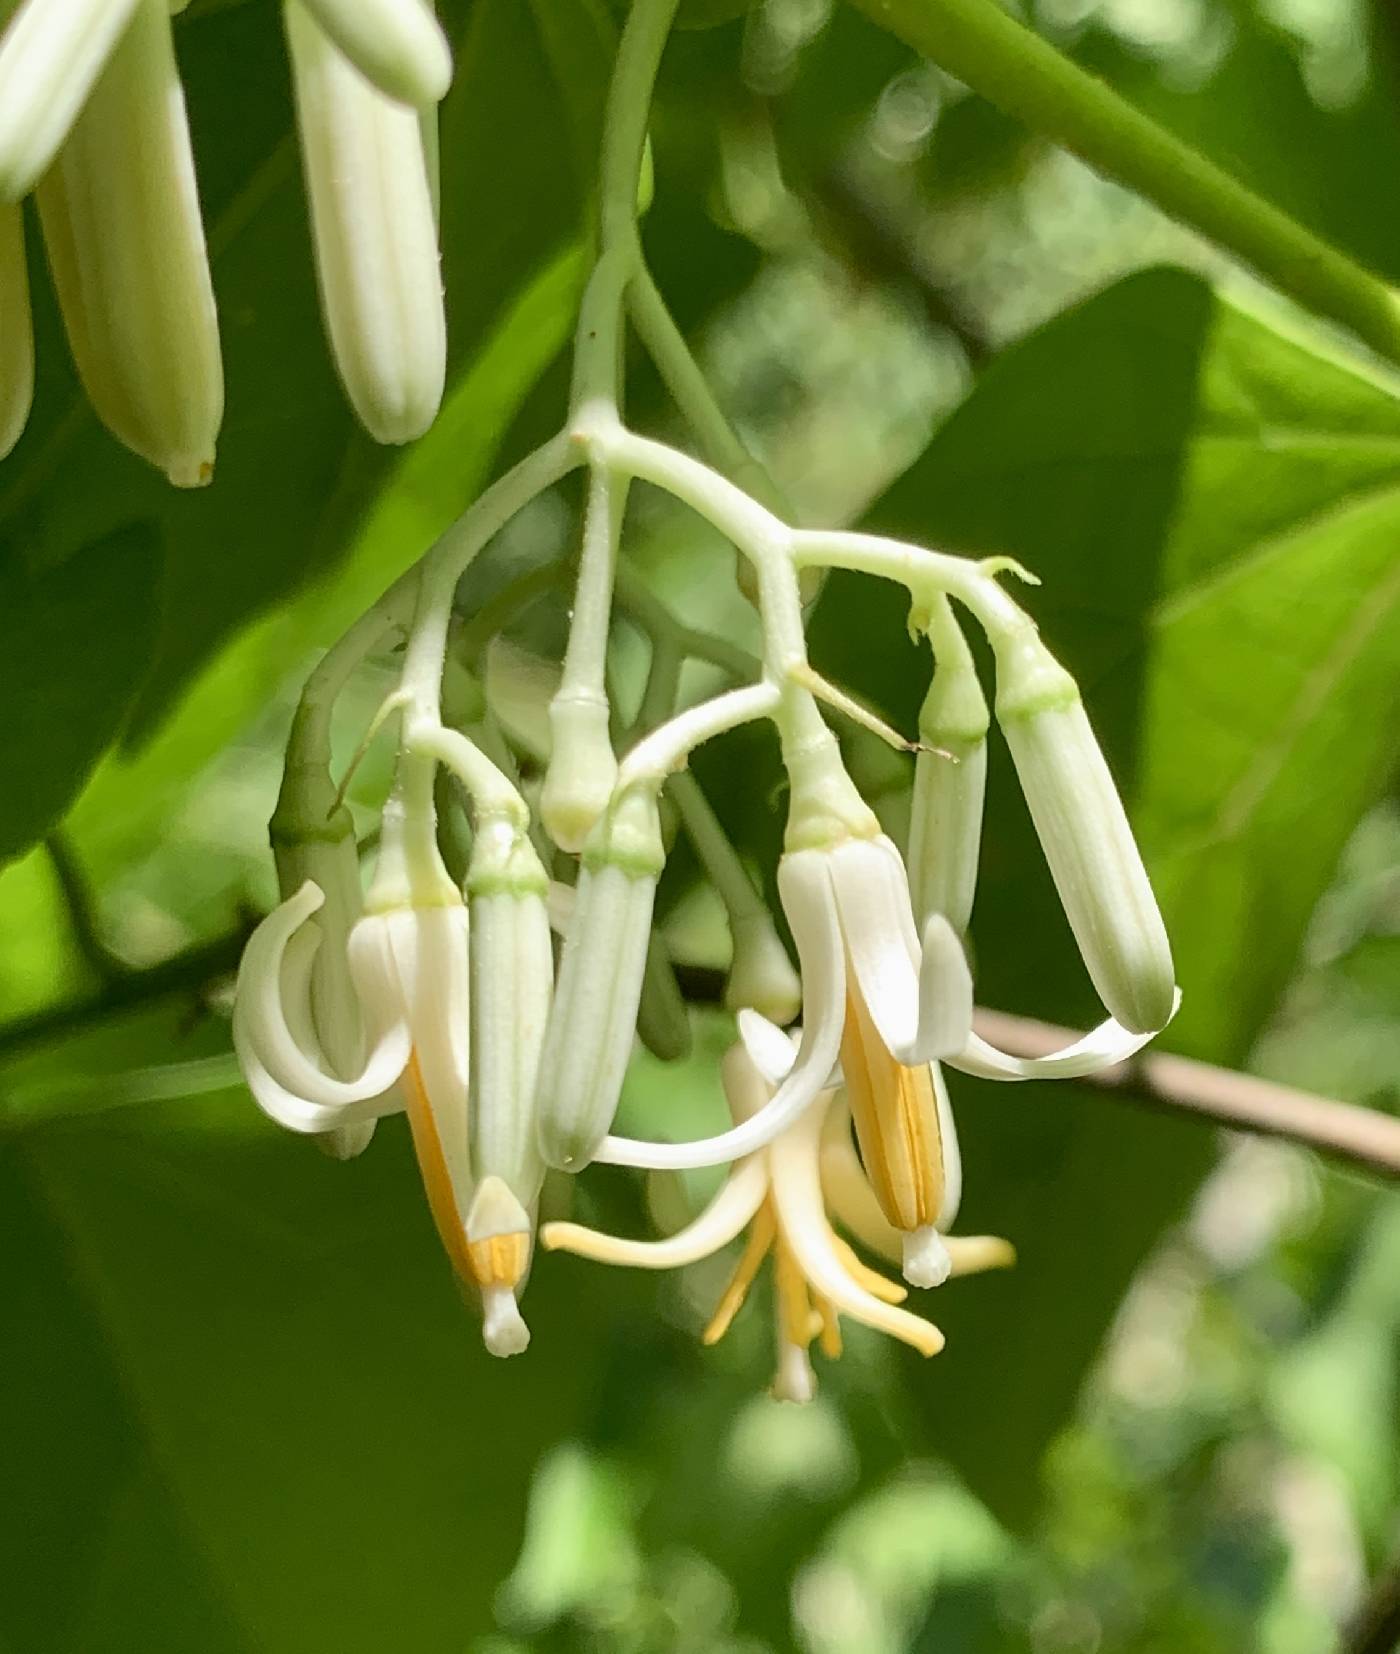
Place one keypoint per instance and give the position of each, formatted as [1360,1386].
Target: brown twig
[1362,1137]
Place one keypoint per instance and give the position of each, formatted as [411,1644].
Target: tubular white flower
[1084,831]
[16,330]
[51,53]
[594,1016]
[375,236]
[397,45]
[950,778]
[125,241]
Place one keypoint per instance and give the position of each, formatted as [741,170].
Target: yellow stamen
[830,1327]
[896,1118]
[887,1291]
[795,1318]
[432,1165]
[762,1233]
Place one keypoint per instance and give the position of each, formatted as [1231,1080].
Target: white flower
[849,910]
[125,242]
[781,1194]
[589,1039]
[375,234]
[1085,834]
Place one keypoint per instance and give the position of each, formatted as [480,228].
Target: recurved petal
[265,1033]
[810,905]
[1103,1047]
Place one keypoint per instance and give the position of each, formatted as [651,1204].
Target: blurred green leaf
[75,645]
[245,1408]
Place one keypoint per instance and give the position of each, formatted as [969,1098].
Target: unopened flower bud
[1084,830]
[663,1022]
[50,54]
[950,775]
[761,976]
[512,981]
[16,330]
[582,769]
[375,235]
[397,45]
[591,1026]
[125,242]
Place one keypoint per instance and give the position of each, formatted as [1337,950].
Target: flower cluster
[444,998]
[92,121]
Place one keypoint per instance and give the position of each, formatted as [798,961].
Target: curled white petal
[811,910]
[261,1023]
[1103,1047]
[770,1050]
[950,1150]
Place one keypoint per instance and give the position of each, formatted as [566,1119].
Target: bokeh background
[242,1409]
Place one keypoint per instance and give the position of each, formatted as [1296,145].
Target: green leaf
[246,1409]
[1213,509]
[75,644]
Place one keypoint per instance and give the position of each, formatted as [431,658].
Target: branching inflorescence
[444,1000]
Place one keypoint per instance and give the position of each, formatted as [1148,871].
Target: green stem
[625,119]
[1015,69]
[720,443]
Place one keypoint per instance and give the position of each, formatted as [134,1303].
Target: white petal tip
[795,1380]
[185,472]
[503,1330]
[926,1259]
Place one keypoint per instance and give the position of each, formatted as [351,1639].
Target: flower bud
[50,54]
[761,976]
[950,774]
[375,236]
[125,242]
[589,1039]
[512,980]
[582,769]
[397,45]
[16,330]
[1084,830]
[663,1022]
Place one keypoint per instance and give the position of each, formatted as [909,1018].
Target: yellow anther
[895,1111]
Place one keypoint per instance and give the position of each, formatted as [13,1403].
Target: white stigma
[926,1260]
[795,1380]
[502,1329]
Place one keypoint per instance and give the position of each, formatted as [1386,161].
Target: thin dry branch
[1361,1137]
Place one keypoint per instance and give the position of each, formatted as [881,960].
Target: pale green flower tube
[16,330]
[397,45]
[51,53]
[594,1019]
[950,778]
[1084,831]
[375,236]
[512,983]
[125,242]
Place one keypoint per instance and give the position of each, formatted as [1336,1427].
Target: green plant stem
[1011,66]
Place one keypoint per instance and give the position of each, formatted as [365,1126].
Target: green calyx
[628,836]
